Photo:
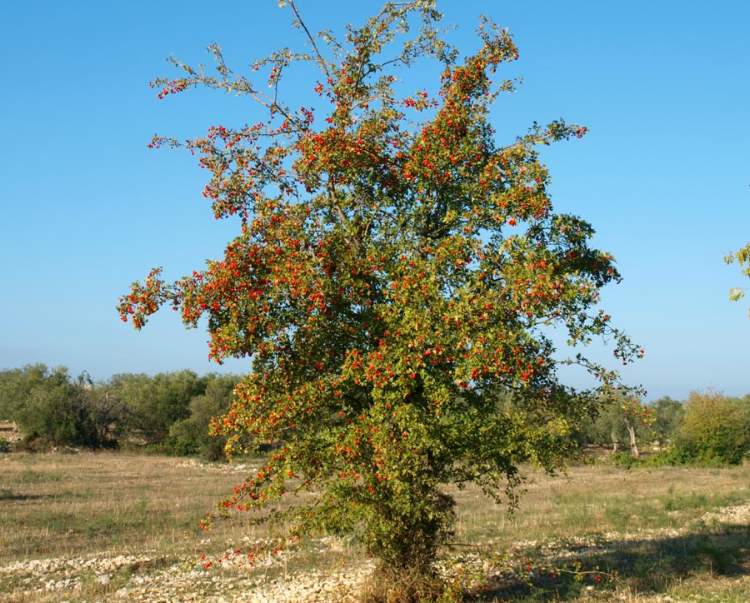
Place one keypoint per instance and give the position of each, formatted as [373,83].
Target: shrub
[52,409]
[16,386]
[667,420]
[715,429]
[155,404]
[191,435]
[59,414]
[623,459]
[184,438]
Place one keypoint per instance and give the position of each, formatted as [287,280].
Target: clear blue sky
[86,208]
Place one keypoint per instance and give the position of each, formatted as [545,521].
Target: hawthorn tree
[396,282]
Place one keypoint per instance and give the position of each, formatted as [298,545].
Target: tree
[155,403]
[49,405]
[395,275]
[715,429]
[668,414]
[192,435]
[109,413]
[620,416]
[605,429]
[636,416]
[16,386]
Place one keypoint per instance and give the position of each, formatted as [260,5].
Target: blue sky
[663,175]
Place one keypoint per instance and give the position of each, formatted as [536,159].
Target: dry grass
[597,533]
[58,505]
[599,499]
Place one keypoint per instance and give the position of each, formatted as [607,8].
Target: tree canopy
[396,283]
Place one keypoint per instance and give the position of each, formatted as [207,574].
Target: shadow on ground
[647,566]
[9,495]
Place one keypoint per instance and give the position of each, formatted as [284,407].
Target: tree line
[172,413]
[707,427]
[166,412]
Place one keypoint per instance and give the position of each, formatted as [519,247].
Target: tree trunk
[633,443]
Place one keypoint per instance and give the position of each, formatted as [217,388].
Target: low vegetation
[81,527]
[167,412]
[171,413]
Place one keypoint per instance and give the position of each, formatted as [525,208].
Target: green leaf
[736,293]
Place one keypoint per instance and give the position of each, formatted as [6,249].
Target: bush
[715,429]
[191,435]
[667,420]
[60,414]
[184,438]
[623,459]
[16,386]
[52,409]
[155,404]
[4,445]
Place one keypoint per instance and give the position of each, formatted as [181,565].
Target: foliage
[109,414]
[620,418]
[171,411]
[49,405]
[155,403]
[668,415]
[605,428]
[16,386]
[191,435]
[742,257]
[715,429]
[396,274]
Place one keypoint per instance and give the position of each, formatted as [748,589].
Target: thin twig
[321,60]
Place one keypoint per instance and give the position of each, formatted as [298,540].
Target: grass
[599,499]
[62,505]
[596,533]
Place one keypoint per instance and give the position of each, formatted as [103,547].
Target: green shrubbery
[171,413]
[707,429]
[191,435]
[49,406]
[715,429]
[168,412]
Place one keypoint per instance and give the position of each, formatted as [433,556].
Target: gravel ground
[153,578]
[158,579]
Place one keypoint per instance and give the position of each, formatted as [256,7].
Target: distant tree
[193,434]
[605,428]
[715,428]
[155,403]
[110,414]
[636,417]
[621,417]
[16,386]
[50,406]
[395,272]
[59,415]
[668,415]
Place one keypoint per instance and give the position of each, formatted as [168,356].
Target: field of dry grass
[85,527]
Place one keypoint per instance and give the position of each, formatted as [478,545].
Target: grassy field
[89,527]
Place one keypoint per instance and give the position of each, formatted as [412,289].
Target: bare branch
[321,61]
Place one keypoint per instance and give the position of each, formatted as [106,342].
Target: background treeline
[167,412]
[171,413]
[707,428]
